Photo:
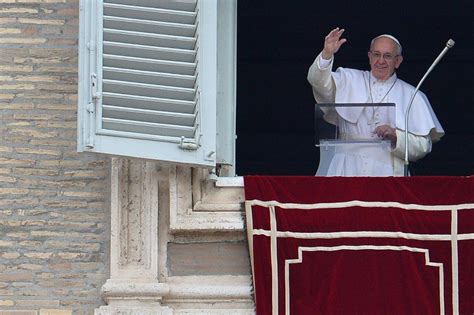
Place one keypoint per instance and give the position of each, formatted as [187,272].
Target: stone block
[221,258]
[55,312]
[38,303]
[17,276]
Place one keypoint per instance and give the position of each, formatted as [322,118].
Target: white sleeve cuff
[418,146]
[323,63]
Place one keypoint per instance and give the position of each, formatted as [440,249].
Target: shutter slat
[151,52]
[142,89]
[145,26]
[148,13]
[183,5]
[148,128]
[149,77]
[139,38]
[149,67]
[146,64]
[153,116]
[144,102]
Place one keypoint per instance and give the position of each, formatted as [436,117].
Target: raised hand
[332,43]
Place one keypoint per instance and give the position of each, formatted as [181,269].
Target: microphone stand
[449,44]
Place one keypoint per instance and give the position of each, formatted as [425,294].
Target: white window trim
[226,85]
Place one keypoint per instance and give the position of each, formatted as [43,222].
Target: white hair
[399,46]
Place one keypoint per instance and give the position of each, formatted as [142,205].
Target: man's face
[383,58]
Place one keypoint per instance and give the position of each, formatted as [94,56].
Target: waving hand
[332,43]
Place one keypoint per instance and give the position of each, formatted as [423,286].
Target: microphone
[449,44]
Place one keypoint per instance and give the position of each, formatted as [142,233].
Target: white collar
[390,80]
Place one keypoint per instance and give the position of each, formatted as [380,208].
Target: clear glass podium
[347,143]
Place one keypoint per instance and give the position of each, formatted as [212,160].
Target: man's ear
[399,61]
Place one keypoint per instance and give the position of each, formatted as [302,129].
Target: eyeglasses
[386,57]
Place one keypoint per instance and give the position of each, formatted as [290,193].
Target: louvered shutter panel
[151,68]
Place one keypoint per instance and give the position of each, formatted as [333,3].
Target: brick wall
[54,207]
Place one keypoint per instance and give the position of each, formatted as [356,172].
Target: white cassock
[356,86]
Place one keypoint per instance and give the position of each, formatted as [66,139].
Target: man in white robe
[379,85]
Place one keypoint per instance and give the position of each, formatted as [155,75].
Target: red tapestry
[366,245]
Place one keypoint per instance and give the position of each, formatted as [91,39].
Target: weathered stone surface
[44,238]
[222,258]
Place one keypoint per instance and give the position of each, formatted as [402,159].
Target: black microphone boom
[449,45]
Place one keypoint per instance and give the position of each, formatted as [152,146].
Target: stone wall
[54,202]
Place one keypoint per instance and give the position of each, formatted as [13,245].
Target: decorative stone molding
[138,310]
[198,204]
[121,290]
[134,216]
[210,295]
[216,288]
[133,287]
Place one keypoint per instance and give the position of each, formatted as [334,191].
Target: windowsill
[237,181]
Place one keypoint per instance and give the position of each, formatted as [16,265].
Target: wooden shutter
[151,70]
